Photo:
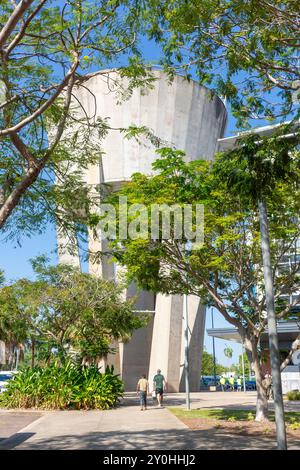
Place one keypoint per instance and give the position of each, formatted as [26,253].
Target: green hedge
[293,395]
[68,386]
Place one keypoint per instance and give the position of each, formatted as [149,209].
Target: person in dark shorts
[142,389]
[159,385]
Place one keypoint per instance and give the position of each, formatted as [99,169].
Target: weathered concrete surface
[129,428]
[181,114]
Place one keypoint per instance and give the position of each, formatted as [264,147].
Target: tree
[247,51]
[239,366]
[226,272]
[14,323]
[68,311]
[47,50]
[208,365]
[252,170]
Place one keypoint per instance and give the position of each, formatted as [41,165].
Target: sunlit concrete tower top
[181,113]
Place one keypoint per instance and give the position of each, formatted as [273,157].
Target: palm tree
[228,353]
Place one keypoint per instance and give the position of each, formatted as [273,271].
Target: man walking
[142,389]
[159,385]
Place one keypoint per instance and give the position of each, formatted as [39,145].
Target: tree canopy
[49,49]
[208,365]
[248,51]
[72,312]
[226,270]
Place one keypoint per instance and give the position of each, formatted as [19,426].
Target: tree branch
[16,15]
[45,106]
[21,33]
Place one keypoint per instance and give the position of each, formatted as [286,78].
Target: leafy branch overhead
[248,51]
[48,50]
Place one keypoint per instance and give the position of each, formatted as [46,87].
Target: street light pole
[186,351]
[243,367]
[214,351]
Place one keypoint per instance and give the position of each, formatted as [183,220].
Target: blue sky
[15,259]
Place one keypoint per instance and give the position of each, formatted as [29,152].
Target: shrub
[293,395]
[68,386]
[231,419]
[250,416]
[294,426]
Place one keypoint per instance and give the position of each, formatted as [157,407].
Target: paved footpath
[129,428]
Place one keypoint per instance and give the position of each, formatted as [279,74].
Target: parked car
[5,376]
[250,384]
[209,381]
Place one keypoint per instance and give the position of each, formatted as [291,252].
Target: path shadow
[214,439]
[15,440]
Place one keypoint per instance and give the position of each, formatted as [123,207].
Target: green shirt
[159,381]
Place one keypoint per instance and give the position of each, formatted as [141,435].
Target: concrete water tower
[191,118]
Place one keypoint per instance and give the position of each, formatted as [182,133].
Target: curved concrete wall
[182,114]
[189,117]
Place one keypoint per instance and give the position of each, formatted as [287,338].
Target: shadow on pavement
[153,439]
[15,440]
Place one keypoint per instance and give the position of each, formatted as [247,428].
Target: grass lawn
[237,422]
[223,414]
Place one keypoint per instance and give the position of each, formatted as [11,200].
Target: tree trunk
[9,354]
[32,351]
[261,401]
[262,398]
[13,199]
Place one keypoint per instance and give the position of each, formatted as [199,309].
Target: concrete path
[129,428]
[12,421]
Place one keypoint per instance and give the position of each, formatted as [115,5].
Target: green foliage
[208,365]
[294,426]
[266,430]
[254,168]
[238,368]
[53,48]
[228,352]
[246,51]
[62,387]
[294,423]
[231,419]
[66,312]
[250,417]
[293,395]
[226,270]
